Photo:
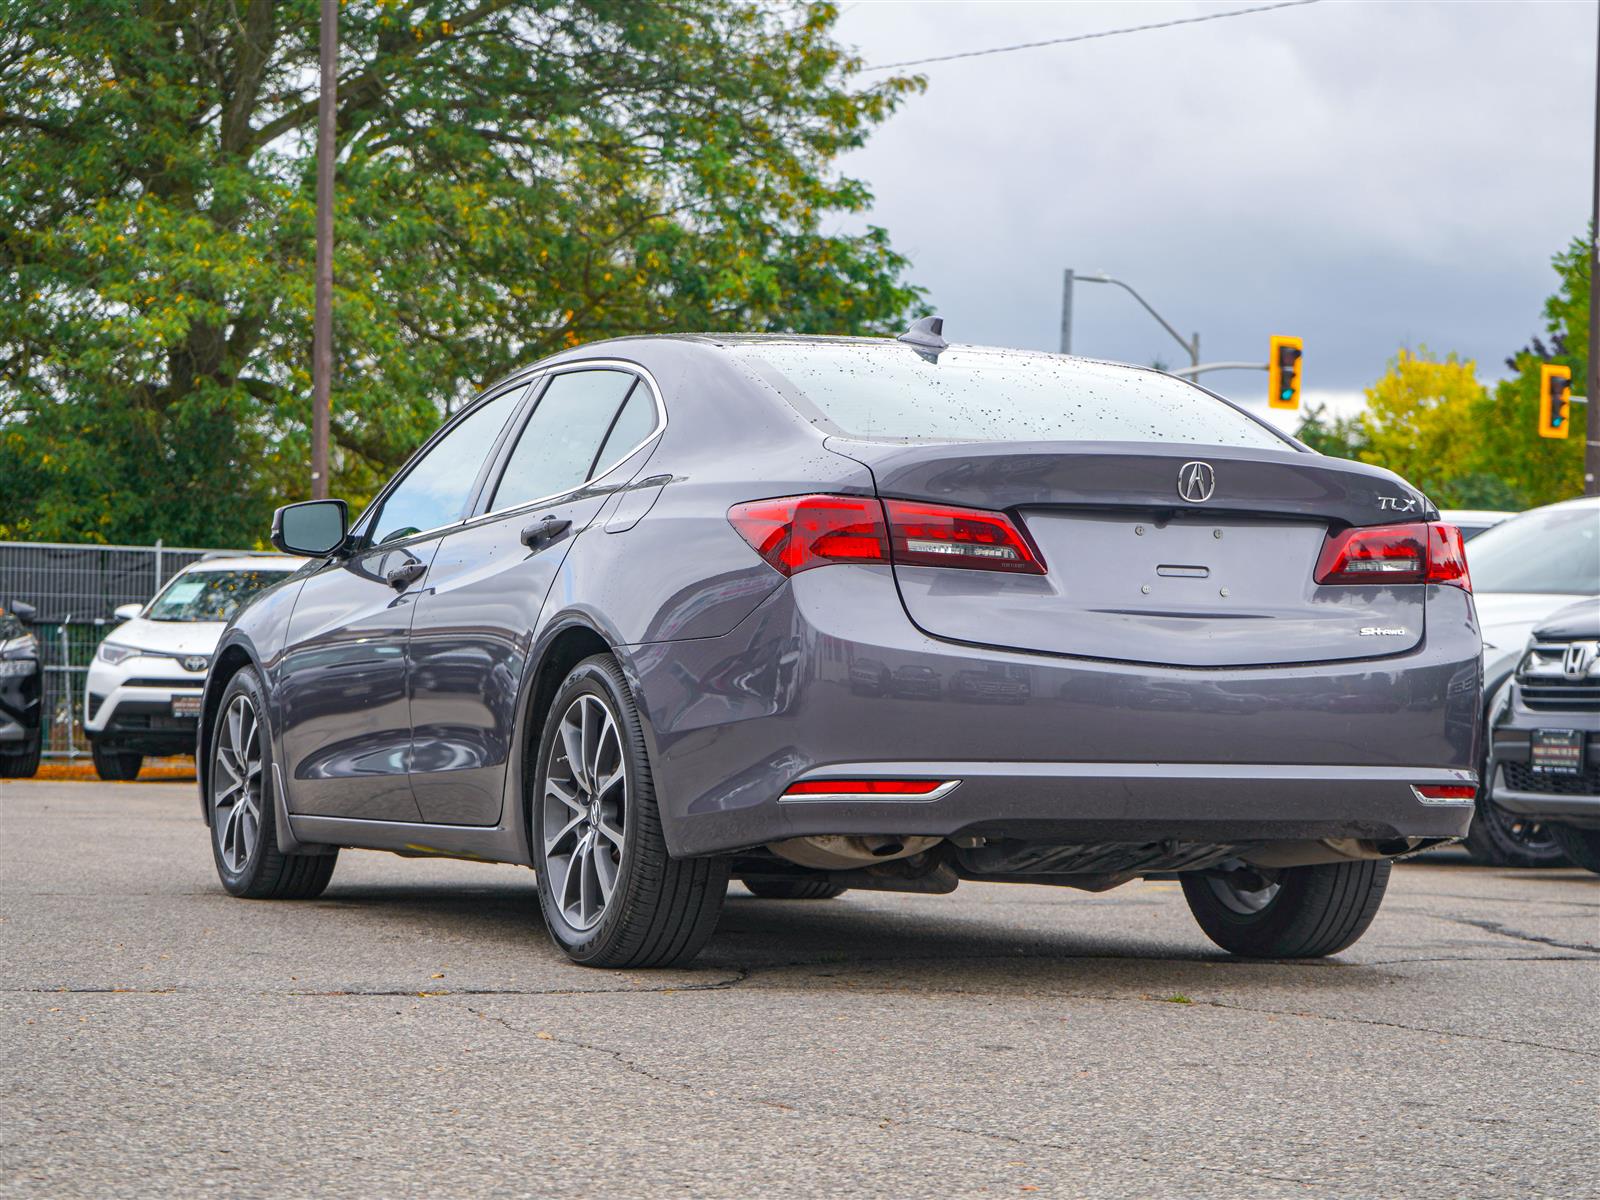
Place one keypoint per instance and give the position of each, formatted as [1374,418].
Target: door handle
[544,531]
[403,576]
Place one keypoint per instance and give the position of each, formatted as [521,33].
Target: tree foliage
[1465,444]
[514,177]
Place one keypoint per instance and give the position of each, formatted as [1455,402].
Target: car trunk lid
[1149,559]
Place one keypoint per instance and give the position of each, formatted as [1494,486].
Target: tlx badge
[1398,503]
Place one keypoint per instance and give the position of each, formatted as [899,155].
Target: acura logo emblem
[1196,482]
[195,662]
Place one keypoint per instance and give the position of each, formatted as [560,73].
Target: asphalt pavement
[414,1033]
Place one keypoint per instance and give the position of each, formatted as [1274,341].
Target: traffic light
[1283,371]
[1555,400]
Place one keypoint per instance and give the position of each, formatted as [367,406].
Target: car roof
[245,562]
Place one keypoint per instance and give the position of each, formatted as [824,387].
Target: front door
[345,699]
[476,623]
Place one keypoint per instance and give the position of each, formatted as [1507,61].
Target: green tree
[515,177]
[1340,437]
[1419,421]
[1543,470]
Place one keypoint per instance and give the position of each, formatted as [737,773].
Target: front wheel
[244,839]
[612,896]
[115,766]
[1502,838]
[1294,912]
[24,763]
[1582,846]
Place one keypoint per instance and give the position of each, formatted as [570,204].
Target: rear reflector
[1445,793]
[796,533]
[869,789]
[1416,553]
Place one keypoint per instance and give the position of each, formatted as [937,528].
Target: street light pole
[1591,435]
[1191,345]
[322,320]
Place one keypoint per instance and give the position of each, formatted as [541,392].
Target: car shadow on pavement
[846,942]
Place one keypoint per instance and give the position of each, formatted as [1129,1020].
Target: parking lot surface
[413,1032]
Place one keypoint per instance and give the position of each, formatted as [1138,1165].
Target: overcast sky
[1366,175]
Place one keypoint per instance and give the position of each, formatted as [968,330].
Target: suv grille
[1520,777]
[1546,685]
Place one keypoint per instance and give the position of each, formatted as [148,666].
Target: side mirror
[311,528]
[127,612]
[24,612]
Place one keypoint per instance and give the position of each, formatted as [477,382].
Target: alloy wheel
[1237,898]
[585,812]
[236,785]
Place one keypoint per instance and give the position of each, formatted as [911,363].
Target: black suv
[1544,730]
[21,694]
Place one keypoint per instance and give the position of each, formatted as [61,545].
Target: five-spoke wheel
[585,811]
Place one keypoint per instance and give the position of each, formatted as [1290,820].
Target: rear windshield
[209,595]
[1547,550]
[889,390]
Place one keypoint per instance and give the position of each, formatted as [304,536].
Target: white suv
[144,686]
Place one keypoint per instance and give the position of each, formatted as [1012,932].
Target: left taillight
[796,533]
[1413,553]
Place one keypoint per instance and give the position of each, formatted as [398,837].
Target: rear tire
[24,763]
[612,896]
[1505,839]
[1582,846]
[244,837]
[1314,911]
[794,889]
[115,766]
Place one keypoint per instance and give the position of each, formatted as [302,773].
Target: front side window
[209,595]
[558,446]
[888,390]
[438,487]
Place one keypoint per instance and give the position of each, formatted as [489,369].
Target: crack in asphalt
[720,985]
[1507,931]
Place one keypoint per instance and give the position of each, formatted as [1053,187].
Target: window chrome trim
[586,364]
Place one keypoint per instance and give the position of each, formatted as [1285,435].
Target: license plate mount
[1556,751]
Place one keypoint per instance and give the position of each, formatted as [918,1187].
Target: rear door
[344,700]
[476,623]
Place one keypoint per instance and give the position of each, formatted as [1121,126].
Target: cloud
[1365,175]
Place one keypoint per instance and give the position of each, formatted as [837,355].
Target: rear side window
[634,423]
[558,446]
[889,390]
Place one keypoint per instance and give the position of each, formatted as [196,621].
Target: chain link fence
[75,590]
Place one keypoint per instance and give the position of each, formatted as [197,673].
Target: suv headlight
[111,652]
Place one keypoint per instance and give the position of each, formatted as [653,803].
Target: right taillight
[1413,553]
[796,533]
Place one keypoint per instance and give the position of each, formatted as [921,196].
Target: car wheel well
[569,648]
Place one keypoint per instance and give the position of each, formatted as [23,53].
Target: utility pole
[322,321]
[1591,434]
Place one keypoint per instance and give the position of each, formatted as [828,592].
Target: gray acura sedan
[819,614]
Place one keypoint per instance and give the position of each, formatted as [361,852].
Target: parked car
[1523,570]
[1544,730]
[21,694]
[507,657]
[1473,521]
[142,691]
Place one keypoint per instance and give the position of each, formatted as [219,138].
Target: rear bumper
[1045,747]
[1084,803]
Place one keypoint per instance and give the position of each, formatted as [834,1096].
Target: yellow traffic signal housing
[1283,371]
[1555,400]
